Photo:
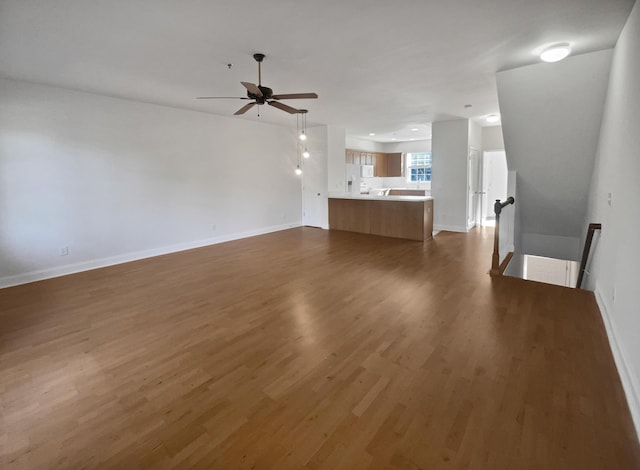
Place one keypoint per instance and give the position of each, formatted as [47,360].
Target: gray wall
[415,146]
[615,269]
[551,116]
[450,147]
[492,138]
[115,180]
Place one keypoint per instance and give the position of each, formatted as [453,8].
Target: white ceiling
[378,66]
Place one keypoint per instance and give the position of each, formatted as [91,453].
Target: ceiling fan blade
[222,98]
[252,88]
[294,96]
[283,107]
[244,109]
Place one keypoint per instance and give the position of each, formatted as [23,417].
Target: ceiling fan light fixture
[555,53]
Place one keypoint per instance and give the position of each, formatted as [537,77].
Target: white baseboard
[24,278]
[449,228]
[628,383]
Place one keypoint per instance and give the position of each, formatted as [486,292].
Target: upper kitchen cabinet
[381,164]
[385,164]
[394,164]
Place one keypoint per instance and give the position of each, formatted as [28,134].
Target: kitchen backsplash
[394,182]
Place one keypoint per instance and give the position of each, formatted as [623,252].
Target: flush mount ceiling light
[415,129]
[555,53]
[491,118]
[372,134]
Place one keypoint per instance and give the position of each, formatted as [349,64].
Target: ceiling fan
[261,94]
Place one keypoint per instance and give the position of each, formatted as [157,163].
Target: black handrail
[585,253]
[498,206]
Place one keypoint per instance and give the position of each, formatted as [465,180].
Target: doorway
[474,206]
[494,183]
[314,196]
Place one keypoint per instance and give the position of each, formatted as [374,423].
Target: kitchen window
[419,167]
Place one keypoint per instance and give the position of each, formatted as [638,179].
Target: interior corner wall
[365,145]
[415,146]
[336,159]
[551,117]
[115,180]
[475,137]
[450,147]
[614,271]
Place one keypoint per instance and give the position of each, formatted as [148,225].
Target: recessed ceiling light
[493,118]
[372,133]
[555,53]
[415,129]
[412,139]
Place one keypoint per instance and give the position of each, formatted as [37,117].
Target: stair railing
[496,267]
[585,253]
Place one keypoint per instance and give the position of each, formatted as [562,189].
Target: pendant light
[303,135]
[298,170]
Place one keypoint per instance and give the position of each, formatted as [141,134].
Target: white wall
[362,144]
[495,179]
[492,138]
[551,115]
[615,268]
[415,146]
[507,220]
[335,159]
[116,180]
[450,147]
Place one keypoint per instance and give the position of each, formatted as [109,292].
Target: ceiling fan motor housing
[266,94]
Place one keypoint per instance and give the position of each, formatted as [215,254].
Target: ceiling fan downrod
[259,58]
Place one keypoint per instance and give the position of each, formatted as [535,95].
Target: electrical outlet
[609,198]
[64,251]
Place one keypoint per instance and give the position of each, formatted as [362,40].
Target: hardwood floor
[309,349]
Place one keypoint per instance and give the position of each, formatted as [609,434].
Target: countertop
[367,197]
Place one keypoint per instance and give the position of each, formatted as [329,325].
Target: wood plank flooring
[309,349]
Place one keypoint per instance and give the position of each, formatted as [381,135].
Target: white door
[314,194]
[494,182]
[474,209]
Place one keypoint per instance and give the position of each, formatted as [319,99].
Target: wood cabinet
[358,157]
[411,220]
[381,165]
[394,164]
[384,164]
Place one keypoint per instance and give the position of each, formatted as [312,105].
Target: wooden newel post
[495,259]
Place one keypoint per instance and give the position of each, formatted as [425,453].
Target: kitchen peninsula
[408,217]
